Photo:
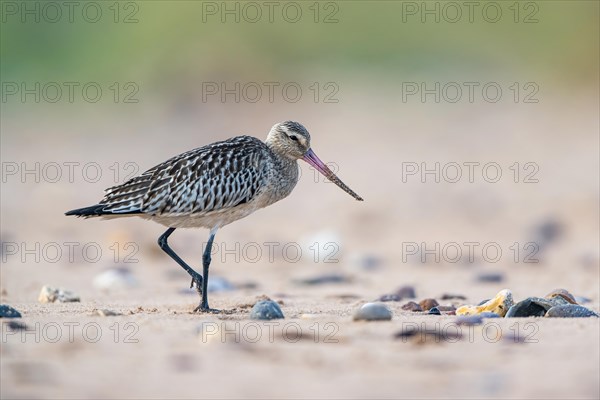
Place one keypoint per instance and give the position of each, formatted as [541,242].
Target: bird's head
[291,140]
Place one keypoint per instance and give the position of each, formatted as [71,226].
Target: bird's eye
[294,138]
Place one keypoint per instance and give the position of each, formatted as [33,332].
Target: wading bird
[213,186]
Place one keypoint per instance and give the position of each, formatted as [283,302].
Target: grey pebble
[7,311]
[482,302]
[373,312]
[570,311]
[535,306]
[469,320]
[319,280]
[530,307]
[390,297]
[490,277]
[266,310]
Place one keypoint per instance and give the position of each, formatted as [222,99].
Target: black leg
[205,264]
[162,242]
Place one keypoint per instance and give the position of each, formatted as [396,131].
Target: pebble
[319,280]
[434,311]
[499,305]
[446,308]
[115,279]
[105,313]
[266,310]
[570,311]
[562,293]
[428,304]
[450,296]
[373,312]
[412,306]
[469,320]
[7,311]
[390,297]
[50,295]
[406,292]
[536,306]
[490,277]
[530,307]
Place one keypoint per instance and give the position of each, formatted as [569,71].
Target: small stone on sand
[469,320]
[373,312]
[530,307]
[428,304]
[562,293]
[50,295]
[105,313]
[490,277]
[412,306]
[570,311]
[434,311]
[266,310]
[390,297]
[499,305]
[323,279]
[7,311]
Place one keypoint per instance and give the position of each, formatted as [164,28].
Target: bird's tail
[91,211]
[97,210]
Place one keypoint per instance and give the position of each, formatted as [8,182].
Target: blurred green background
[174,43]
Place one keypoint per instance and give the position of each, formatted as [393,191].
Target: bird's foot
[204,308]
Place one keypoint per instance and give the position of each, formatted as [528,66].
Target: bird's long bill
[311,158]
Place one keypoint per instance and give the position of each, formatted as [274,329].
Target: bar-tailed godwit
[213,186]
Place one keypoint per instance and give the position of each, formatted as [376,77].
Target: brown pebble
[412,306]
[428,304]
[562,293]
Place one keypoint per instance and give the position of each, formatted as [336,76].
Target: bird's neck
[279,153]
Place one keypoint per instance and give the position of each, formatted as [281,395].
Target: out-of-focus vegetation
[179,39]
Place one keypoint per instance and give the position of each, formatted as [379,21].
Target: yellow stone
[499,305]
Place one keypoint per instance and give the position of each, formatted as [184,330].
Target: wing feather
[214,177]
